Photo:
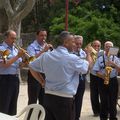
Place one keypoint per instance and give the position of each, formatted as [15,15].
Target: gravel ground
[86,109]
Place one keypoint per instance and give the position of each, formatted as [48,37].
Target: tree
[91,24]
[13,11]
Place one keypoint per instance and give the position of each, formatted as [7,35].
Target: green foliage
[90,18]
[90,24]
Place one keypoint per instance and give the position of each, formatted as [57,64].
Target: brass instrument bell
[4,54]
[93,52]
[27,58]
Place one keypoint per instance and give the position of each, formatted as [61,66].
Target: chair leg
[118,104]
[117,101]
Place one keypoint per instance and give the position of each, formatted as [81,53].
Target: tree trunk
[15,11]
[16,26]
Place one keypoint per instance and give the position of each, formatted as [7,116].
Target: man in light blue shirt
[9,69]
[81,87]
[108,92]
[94,92]
[35,49]
[62,77]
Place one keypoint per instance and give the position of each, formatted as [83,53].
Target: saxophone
[108,70]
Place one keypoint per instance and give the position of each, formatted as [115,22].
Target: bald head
[96,44]
[10,37]
[9,32]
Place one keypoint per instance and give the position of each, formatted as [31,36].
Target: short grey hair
[63,36]
[78,37]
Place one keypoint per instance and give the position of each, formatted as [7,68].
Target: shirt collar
[37,44]
[5,45]
[8,47]
[62,49]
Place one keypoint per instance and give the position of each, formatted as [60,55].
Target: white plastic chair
[4,116]
[38,112]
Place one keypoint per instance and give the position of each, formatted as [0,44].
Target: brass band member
[9,80]
[39,46]
[81,87]
[108,93]
[94,93]
[62,77]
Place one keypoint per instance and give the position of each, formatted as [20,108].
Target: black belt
[114,77]
[15,75]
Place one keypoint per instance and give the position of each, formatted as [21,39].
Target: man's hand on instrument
[47,47]
[21,52]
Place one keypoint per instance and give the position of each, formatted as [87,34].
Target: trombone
[4,54]
[27,58]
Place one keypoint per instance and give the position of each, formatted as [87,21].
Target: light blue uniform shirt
[13,68]
[100,53]
[99,65]
[82,54]
[61,70]
[34,48]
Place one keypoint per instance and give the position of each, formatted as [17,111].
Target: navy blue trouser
[79,97]
[35,91]
[94,94]
[108,96]
[9,89]
[59,108]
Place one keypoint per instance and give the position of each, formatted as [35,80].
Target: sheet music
[113,50]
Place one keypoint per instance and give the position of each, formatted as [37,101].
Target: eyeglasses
[96,45]
[13,38]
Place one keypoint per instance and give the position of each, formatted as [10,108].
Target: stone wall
[27,38]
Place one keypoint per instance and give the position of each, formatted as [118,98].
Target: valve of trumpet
[1,52]
[32,58]
[6,53]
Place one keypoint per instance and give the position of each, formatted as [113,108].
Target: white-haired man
[108,93]
[81,87]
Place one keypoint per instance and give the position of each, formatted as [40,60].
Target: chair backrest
[33,111]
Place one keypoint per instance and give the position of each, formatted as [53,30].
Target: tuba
[4,54]
[26,58]
[93,52]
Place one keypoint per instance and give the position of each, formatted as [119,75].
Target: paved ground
[86,109]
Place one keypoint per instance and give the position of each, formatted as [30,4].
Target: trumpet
[4,54]
[27,58]
[45,43]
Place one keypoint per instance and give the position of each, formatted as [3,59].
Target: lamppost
[66,14]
